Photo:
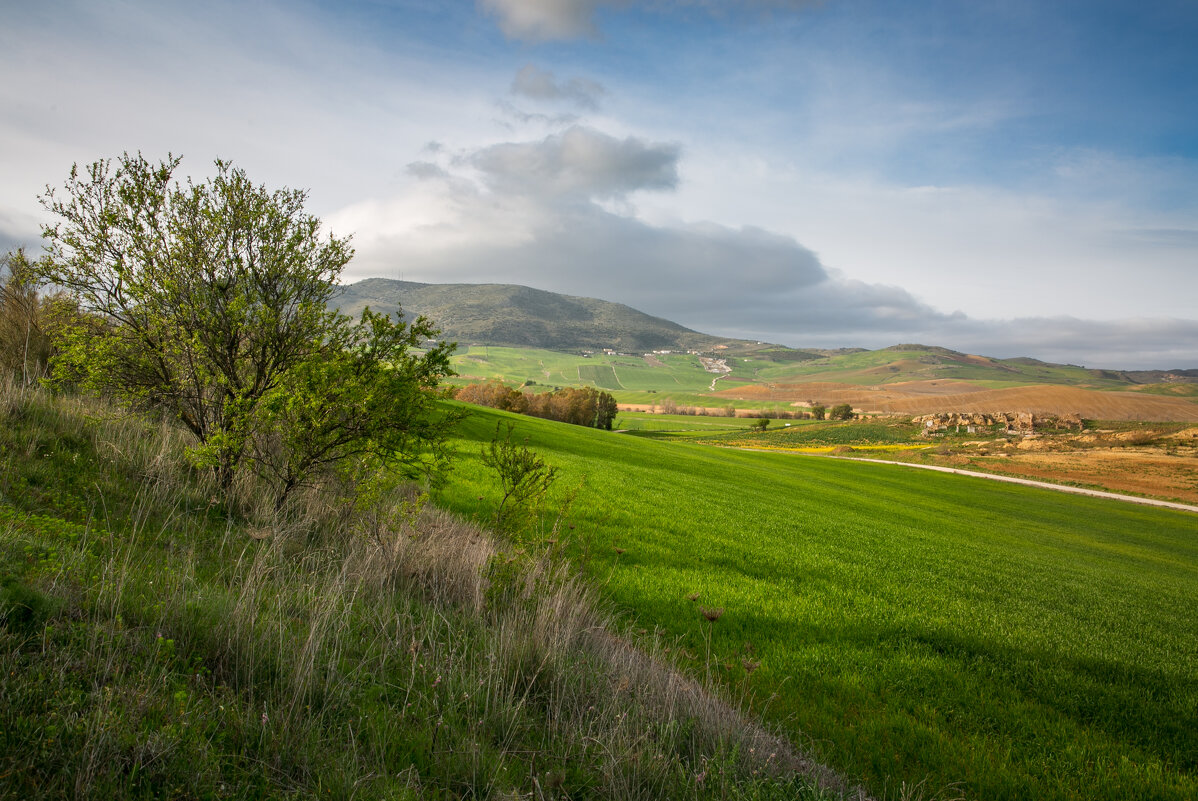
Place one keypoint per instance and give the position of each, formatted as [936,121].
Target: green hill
[973,638]
[522,318]
[158,640]
[519,316]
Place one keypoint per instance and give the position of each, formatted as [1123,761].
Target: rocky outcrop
[1008,422]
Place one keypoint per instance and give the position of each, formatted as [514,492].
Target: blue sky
[1007,178]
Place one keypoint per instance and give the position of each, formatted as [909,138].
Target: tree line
[582,406]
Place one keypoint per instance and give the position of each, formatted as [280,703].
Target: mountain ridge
[519,316]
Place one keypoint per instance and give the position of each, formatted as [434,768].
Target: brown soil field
[828,392]
[930,397]
[1138,471]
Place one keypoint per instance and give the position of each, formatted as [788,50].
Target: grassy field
[1007,642]
[887,365]
[811,433]
[678,372]
[648,422]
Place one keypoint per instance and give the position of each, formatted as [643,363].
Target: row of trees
[209,301]
[583,406]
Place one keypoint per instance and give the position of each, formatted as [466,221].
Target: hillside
[977,639]
[161,640]
[519,316]
[529,336]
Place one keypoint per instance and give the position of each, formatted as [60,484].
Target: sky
[1002,177]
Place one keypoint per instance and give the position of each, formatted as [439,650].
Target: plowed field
[1137,470]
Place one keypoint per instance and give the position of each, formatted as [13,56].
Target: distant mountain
[519,316]
[522,317]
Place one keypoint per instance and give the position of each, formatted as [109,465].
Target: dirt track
[1009,479]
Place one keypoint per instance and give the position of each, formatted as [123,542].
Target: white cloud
[797,155]
[579,162]
[548,20]
[532,213]
[544,20]
[540,84]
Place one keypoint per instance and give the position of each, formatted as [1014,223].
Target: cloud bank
[559,213]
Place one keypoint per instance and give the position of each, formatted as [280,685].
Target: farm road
[1185,507]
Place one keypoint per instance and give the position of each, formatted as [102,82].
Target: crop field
[601,375]
[648,422]
[808,433]
[664,373]
[994,641]
[881,366]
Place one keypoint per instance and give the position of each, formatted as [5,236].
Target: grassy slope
[1015,642]
[642,422]
[522,316]
[679,373]
[153,644]
[909,363]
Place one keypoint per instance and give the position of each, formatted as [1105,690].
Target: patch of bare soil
[1140,471]
[1054,400]
[937,387]
[857,396]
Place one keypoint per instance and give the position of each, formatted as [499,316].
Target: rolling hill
[523,317]
[522,335]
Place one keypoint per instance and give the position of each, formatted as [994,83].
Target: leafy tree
[841,411]
[367,401]
[818,411]
[211,303]
[761,424]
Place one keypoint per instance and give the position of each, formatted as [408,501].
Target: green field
[1004,641]
[811,433]
[667,374]
[641,422]
[600,375]
[683,373]
[927,363]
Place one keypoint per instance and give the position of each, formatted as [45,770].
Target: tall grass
[157,640]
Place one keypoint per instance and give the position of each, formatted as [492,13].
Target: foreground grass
[155,643]
[997,641]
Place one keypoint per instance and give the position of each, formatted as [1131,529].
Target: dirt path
[1185,507]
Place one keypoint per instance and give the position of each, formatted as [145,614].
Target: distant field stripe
[601,375]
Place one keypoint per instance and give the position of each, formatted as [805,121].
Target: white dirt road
[1185,507]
